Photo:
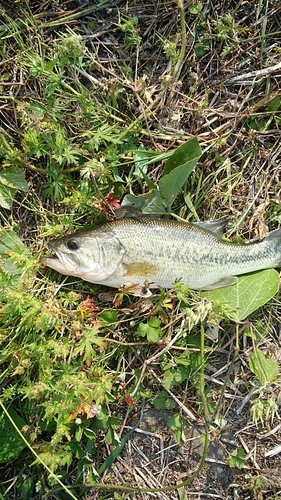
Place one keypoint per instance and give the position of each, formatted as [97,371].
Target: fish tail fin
[273,235]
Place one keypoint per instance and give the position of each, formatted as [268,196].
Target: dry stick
[202,374]
[178,67]
[71,17]
[249,453]
[255,74]
[149,110]
[165,488]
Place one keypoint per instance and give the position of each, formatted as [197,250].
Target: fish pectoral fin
[223,282]
[140,269]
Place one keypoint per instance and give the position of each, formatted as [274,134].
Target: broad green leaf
[171,184]
[11,443]
[133,202]
[11,179]
[251,292]
[7,196]
[179,166]
[265,369]
[185,153]
[9,243]
[150,203]
[26,488]
[154,322]
[108,317]
[141,158]
[274,104]
[177,169]
[175,424]
[154,204]
[174,376]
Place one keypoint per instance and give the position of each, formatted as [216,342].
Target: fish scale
[159,252]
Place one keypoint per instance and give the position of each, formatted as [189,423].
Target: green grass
[84,131]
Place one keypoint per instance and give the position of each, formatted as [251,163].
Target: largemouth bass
[147,252]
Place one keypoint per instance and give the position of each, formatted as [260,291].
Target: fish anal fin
[223,282]
[141,269]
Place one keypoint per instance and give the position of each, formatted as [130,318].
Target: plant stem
[180,61]
[229,371]
[202,374]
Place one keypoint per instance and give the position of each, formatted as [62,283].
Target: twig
[249,453]
[270,433]
[254,74]
[181,57]
[273,452]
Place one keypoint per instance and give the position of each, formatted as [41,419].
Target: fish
[148,253]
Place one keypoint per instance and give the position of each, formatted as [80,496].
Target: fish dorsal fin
[216,227]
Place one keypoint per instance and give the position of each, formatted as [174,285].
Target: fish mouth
[59,261]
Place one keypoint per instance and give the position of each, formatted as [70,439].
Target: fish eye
[72,245]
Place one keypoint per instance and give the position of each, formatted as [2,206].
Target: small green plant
[195,8]
[237,458]
[226,32]
[129,27]
[170,48]
[202,43]
[256,484]
[263,410]
[177,169]
[177,423]
[265,369]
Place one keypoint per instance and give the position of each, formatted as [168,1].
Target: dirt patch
[153,459]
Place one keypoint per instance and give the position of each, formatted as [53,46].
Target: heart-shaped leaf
[185,153]
[251,292]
